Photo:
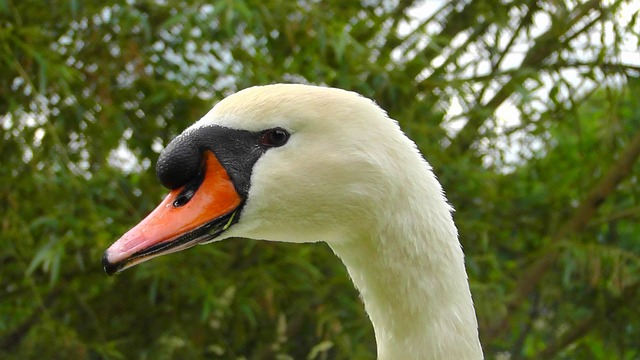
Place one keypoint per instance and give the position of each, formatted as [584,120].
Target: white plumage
[350,177]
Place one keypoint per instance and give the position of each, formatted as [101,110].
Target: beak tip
[109,267]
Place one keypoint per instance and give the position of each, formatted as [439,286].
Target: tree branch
[577,223]
[456,22]
[583,328]
[633,212]
[540,68]
[527,20]
[545,45]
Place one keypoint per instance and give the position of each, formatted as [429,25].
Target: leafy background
[528,111]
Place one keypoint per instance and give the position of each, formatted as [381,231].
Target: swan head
[285,162]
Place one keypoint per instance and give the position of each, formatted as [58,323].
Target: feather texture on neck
[408,265]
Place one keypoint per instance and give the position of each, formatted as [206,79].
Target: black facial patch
[237,151]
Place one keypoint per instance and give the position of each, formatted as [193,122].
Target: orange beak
[177,225]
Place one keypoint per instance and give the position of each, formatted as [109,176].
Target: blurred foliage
[528,111]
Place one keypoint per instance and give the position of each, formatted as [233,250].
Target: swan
[301,163]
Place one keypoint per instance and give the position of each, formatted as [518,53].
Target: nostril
[189,190]
[184,197]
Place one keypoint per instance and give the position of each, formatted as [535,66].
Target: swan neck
[411,275]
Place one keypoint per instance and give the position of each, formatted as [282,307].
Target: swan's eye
[274,137]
